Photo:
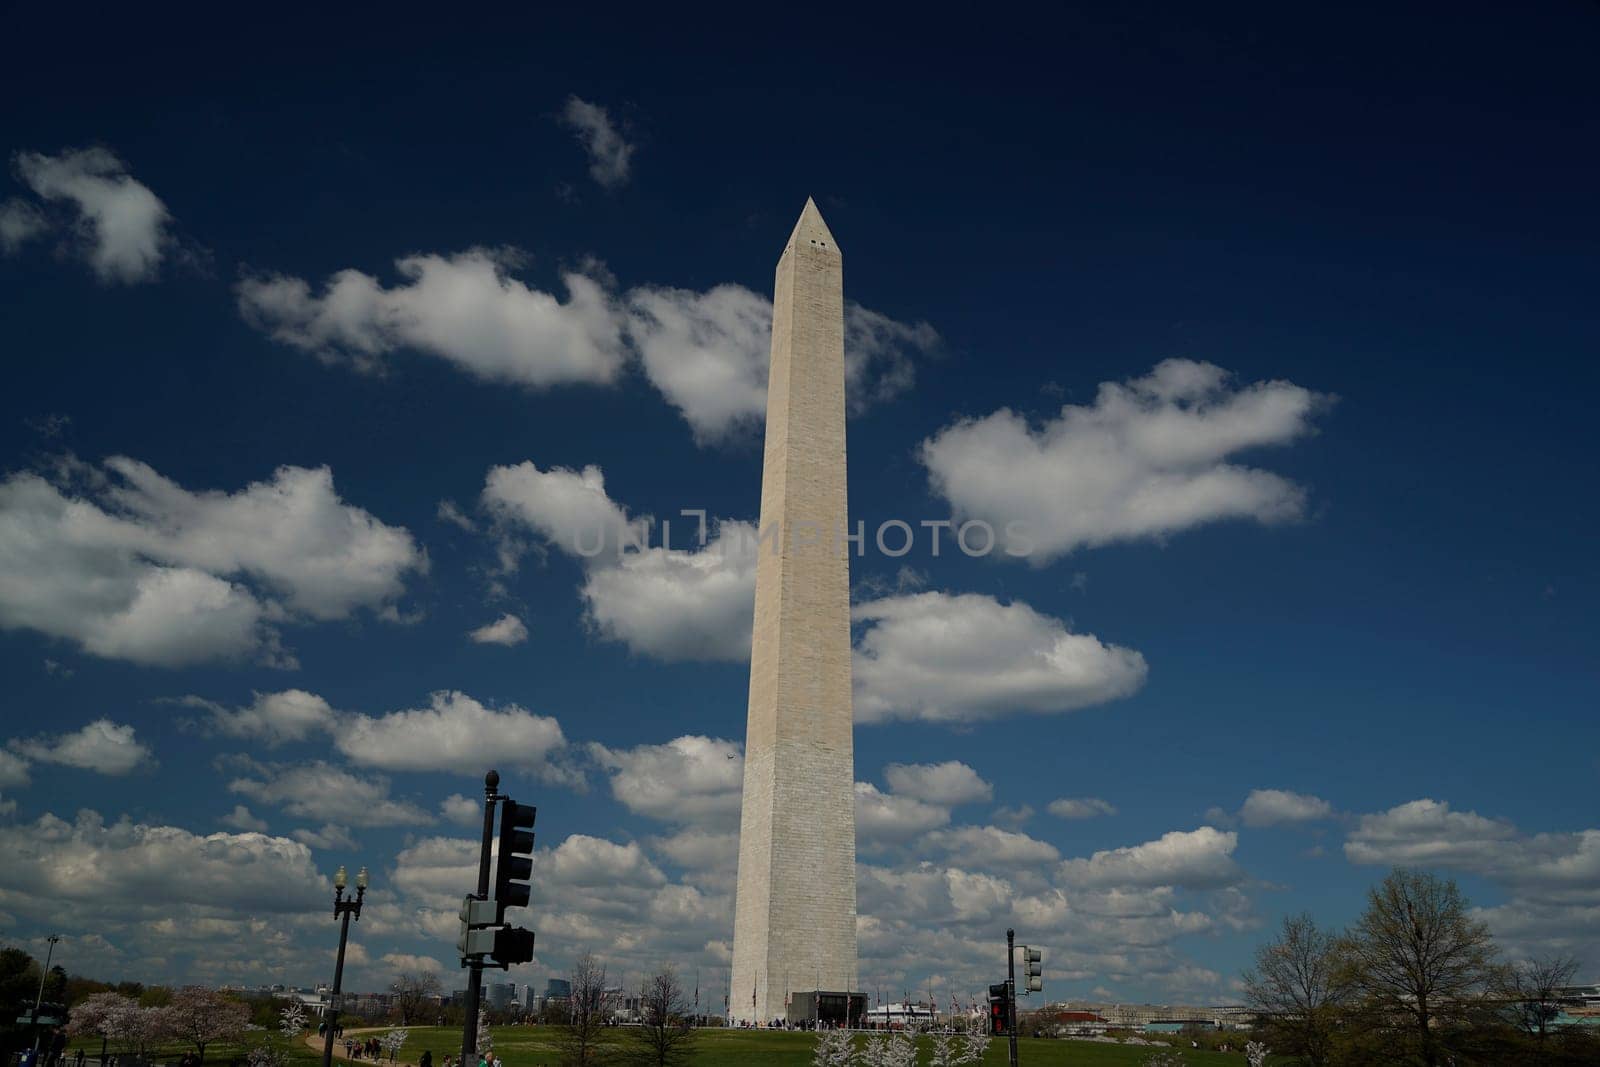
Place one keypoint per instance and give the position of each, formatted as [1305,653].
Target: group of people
[369,1049]
[52,1052]
[372,1049]
[486,1058]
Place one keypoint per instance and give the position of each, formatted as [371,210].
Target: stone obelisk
[795,916]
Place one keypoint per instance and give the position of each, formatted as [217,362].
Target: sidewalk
[318,1043]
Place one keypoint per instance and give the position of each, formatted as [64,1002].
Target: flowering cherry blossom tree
[201,1016]
[292,1020]
[108,1016]
[835,1048]
[394,1040]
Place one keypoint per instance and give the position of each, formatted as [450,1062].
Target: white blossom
[835,1048]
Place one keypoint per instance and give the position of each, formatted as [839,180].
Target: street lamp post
[342,910]
[48,953]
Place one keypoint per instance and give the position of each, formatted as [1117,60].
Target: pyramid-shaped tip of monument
[811,229]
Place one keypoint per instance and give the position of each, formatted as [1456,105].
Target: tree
[959,1049]
[1416,955]
[395,1040]
[1256,1053]
[889,1049]
[973,1047]
[579,1043]
[200,1016]
[414,992]
[664,1036]
[108,1016]
[1532,989]
[19,979]
[835,1048]
[292,1020]
[1293,988]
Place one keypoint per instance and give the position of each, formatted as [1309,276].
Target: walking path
[318,1044]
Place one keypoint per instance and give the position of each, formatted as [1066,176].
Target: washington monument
[795,917]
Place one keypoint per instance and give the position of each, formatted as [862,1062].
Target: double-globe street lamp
[342,909]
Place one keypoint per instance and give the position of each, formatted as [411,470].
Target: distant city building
[500,995]
[892,1016]
[558,989]
[1155,1018]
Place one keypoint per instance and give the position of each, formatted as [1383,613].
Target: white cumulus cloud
[273,718]
[454,733]
[708,353]
[949,783]
[122,225]
[241,818]
[885,817]
[1551,880]
[992,846]
[20,222]
[330,836]
[1080,808]
[962,657]
[102,746]
[128,868]
[610,154]
[688,779]
[1194,859]
[13,771]
[507,630]
[672,603]
[409,963]
[466,308]
[1428,831]
[462,810]
[323,792]
[130,565]
[1149,457]
[1279,807]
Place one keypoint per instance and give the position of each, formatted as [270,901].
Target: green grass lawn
[218,1053]
[535,1046]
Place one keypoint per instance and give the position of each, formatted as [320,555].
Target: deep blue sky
[1390,206]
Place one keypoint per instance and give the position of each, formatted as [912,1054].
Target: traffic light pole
[1011,1001]
[469,1029]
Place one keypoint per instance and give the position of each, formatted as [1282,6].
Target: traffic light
[515,869]
[512,944]
[999,1010]
[1032,978]
[475,915]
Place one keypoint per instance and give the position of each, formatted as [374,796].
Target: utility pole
[1011,1000]
[43,974]
[469,1029]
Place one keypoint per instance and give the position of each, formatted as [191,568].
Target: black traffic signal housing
[512,944]
[1032,961]
[999,1010]
[515,868]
